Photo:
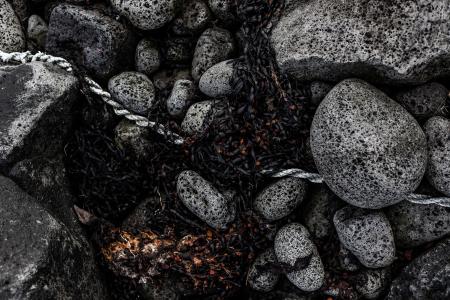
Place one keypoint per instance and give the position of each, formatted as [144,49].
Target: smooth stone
[182,95]
[216,81]
[319,90]
[133,139]
[418,224]
[292,245]
[370,151]
[204,200]
[199,117]
[367,234]
[166,78]
[133,90]
[371,284]
[280,199]
[147,58]
[12,38]
[394,42]
[260,277]
[195,17]
[223,10]
[37,32]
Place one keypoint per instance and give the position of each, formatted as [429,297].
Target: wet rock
[36,32]
[216,81]
[223,10]
[133,90]
[147,14]
[181,97]
[133,138]
[194,18]
[418,224]
[319,90]
[213,46]
[12,38]
[260,277]
[426,277]
[371,284]
[294,248]
[347,260]
[147,58]
[370,151]
[166,78]
[35,106]
[371,39]
[367,234]
[199,116]
[97,42]
[280,199]
[204,200]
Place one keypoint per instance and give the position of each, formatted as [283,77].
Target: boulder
[12,38]
[21,9]
[165,78]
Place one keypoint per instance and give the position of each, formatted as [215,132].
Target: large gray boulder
[370,151]
[12,38]
[398,41]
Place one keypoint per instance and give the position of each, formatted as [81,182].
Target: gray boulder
[399,41]
[260,276]
[180,99]
[204,200]
[147,58]
[36,32]
[12,38]
[371,284]
[367,234]
[216,81]
[370,151]
[194,18]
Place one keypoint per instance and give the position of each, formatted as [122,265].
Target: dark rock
[194,18]
[199,116]
[166,78]
[147,58]
[319,90]
[371,284]
[260,277]
[12,38]
[36,32]
[182,96]
[347,260]
[133,138]
[224,10]
[21,9]
[178,50]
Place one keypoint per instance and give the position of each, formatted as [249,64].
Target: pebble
[370,151]
[12,38]
[216,81]
[199,117]
[371,284]
[147,58]
[133,90]
[181,97]
[367,234]
[133,138]
[37,31]
[204,200]
[280,199]
[194,18]
[178,50]
[223,10]
[292,244]
[260,277]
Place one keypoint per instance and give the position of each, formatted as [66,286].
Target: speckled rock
[319,90]
[20,8]
[132,138]
[213,46]
[195,17]
[371,284]
[178,50]
[36,32]
[216,81]
[166,78]
[438,170]
[147,14]
[400,41]
[223,10]
[12,38]
[424,101]
[347,260]
[260,277]
[199,116]
[98,42]
[418,224]
[367,234]
[280,199]
[181,97]
[293,247]
[133,90]
[370,151]
[204,200]
[147,58]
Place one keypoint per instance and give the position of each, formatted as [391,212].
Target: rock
[424,101]
[370,151]
[147,58]
[216,81]
[204,200]
[371,284]
[166,78]
[37,32]
[133,90]
[35,110]
[319,90]
[347,260]
[426,277]
[280,199]
[41,259]
[21,9]
[178,50]
[389,42]
[223,10]
[418,224]
[294,247]
[12,38]
[97,42]
[147,14]
[260,277]
[133,138]
[367,234]
[213,46]
[438,170]
[199,116]
[181,97]
[194,18]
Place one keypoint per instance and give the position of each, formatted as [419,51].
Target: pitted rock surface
[182,95]
[370,151]
[216,81]
[195,17]
[371,284]
[223,10]
[12,38]
[133,138]
[147,58]
[260,277]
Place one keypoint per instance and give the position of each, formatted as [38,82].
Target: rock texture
[371,284]
[199,116]
[133,138]
[260,276]
[182,95]
[370,150]
[399,41]
[147,58]
[12,38]
[36,32]
[216,81]
[195,17]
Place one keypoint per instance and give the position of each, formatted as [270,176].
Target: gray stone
[347,260]
[426,277]
[424,101]
[147,14]
[293,246]
[37,32]
[260,277]
[213,46]
[97,42]
[319,90]
[418,224]
[12,38]
[400,41]
[199,117]
[41,259]
[21,9]
[223,10]
[147,58]
[166,78]
[181,97]
[318,212]
[280,199]
[204,200]
[178,50]
[367,234]
[370,151]
[133,90]
[438,170]
[35,110]
[371,284]
[216,81]
[133,138]
[194,18]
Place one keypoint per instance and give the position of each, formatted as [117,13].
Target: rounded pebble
[260,277]
[181,97]
[199,116]
[147,58]
[223,10]
[216,81]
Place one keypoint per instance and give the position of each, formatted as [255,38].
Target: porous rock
[12,38]
[260,275]
[371,284]
[181,97]
[147,58]
[199,116]
[223,10]
[195,17]
[216,81]
[178,50]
